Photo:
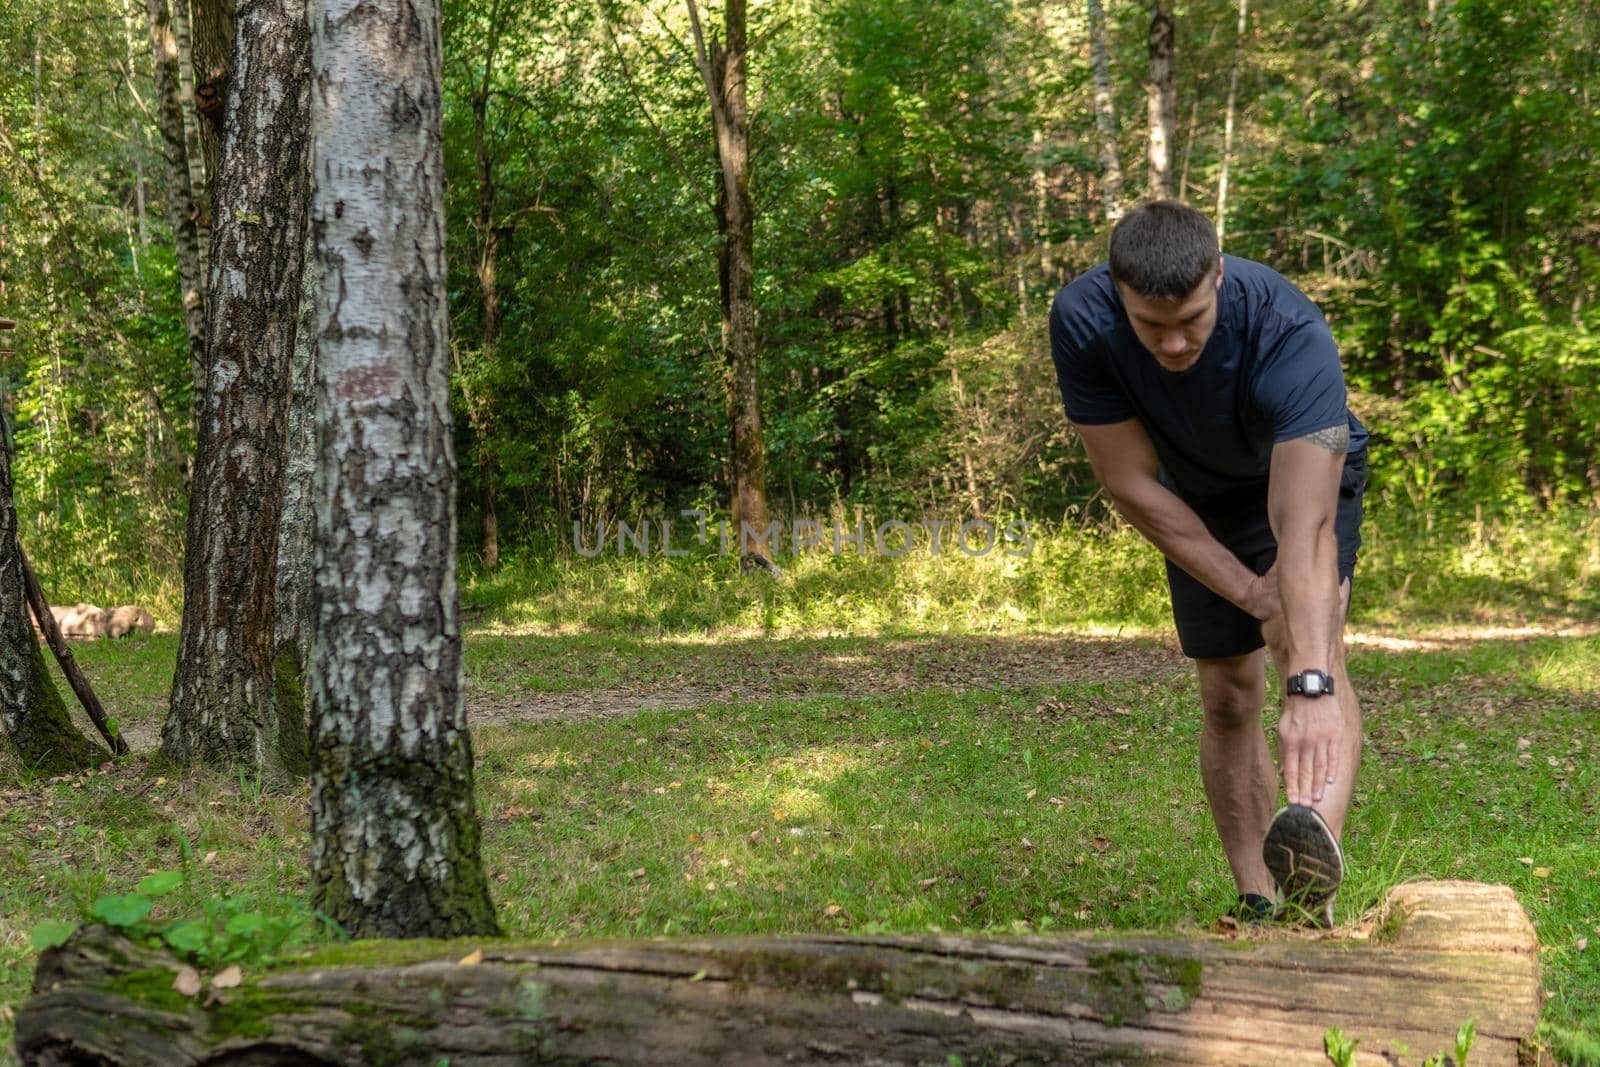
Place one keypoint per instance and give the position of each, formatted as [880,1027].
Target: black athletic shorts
[1210,627]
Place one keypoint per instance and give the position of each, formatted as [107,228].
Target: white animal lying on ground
[88,621]
[120,622]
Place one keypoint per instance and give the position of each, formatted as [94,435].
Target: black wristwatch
[1310,684]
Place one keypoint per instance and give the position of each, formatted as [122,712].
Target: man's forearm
[1173,527]
[1308,586]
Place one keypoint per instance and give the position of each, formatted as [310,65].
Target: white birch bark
[1161,100]
[1227,126]
[1105,115]
[394,833]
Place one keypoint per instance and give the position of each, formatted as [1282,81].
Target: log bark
[222,707]
[1456,951]
[1105,115]
[394,832]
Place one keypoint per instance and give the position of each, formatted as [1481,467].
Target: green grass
[893,760]
[1413,573]
[914,810]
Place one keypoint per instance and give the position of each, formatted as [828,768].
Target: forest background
[924,177]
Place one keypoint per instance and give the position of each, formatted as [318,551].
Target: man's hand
[1261,599]
[1309,731]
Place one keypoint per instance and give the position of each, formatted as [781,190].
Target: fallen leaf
[1226,924]
[1541,872]
[1581,944]
[698,976]
[1026,843]
[777,815]
[187,983]
[831,910]
[1523,743]
[1099,844]
[211,857]
[1032,793]
[637,872]
[227,978]
[1526,861]
[926,882]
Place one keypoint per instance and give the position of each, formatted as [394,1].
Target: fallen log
[1450,951]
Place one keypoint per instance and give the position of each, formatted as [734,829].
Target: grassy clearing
[904,746]
[1030,809]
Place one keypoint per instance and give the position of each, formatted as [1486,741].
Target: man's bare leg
[1235,764]
[1335,802]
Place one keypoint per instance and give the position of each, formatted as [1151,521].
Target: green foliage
[229,930]
[1340,1050]
[1437,169]
[97,390]
[1466,1036]
[925,177]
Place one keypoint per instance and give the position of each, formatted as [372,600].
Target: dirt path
[552,678]
[771,669]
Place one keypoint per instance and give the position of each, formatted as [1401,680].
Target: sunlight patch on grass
[1573,667]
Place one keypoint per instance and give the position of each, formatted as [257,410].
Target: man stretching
[1208,394]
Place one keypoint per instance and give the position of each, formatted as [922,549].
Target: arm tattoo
[1335,439]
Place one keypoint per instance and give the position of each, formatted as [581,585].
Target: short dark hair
[1163,249]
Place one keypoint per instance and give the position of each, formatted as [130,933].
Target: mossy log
[1455,951]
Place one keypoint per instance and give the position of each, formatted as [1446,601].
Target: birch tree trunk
[1227,126]
[1105,115]
[182,199]
[36,725]
[212,28]
[222,692]
[201,180]
[1161,101]
[723,69]
[294,606]
[394,831]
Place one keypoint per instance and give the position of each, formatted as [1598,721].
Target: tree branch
[627,73]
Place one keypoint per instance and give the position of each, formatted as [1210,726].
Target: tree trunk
[1161,101]
[1105,115]
[182,198]
[202,181]
[479,412]
[294,608]
[35,721]
[1227,126]
[1458,951]
[394,832]
[222,692]
[723,69]
[212,28]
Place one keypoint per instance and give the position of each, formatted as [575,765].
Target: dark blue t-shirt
[1269,373]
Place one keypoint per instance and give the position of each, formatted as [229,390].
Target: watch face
[1310,683]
